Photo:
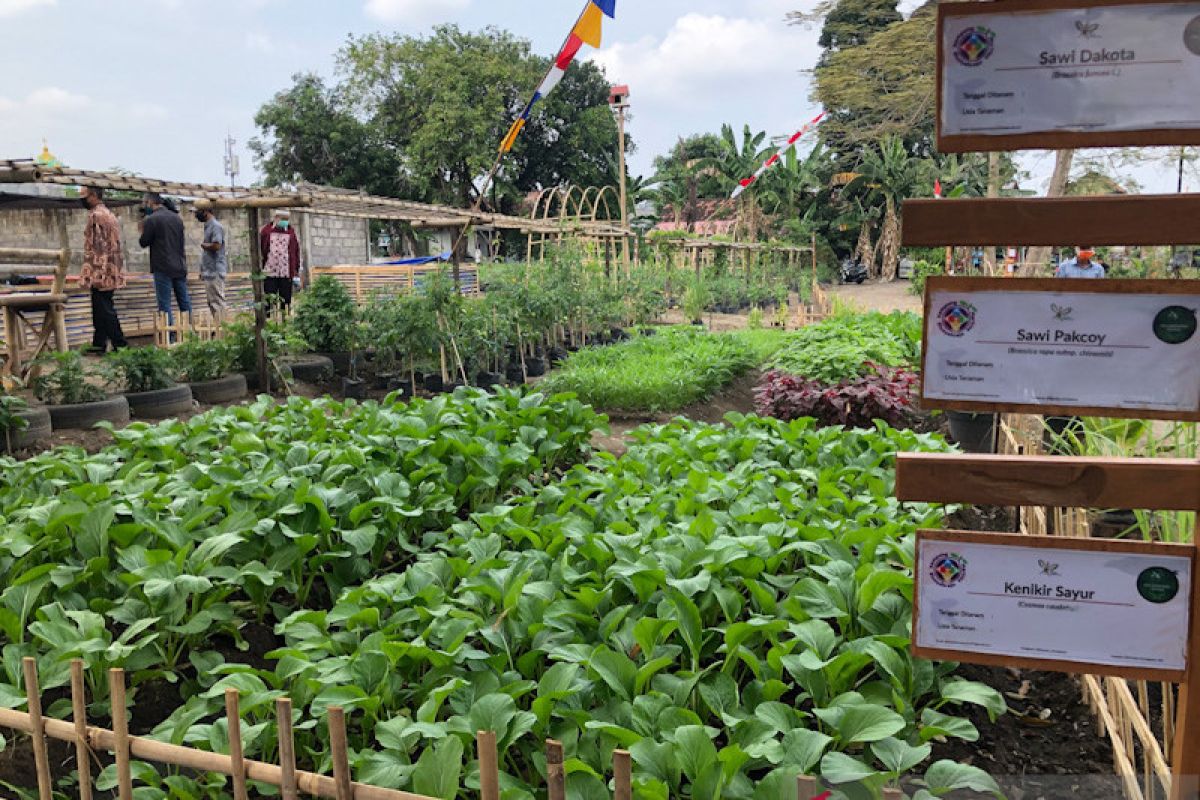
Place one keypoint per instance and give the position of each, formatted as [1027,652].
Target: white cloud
[9,8]
[710,69]
[260,43]
[53,100]
[412,11]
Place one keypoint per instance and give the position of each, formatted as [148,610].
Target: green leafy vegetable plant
[69,382]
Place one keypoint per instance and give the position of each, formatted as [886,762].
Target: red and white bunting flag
[775,159]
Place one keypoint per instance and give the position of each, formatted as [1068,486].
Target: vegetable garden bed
[729,603]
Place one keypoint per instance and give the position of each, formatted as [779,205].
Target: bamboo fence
[242,772]
[1125,711]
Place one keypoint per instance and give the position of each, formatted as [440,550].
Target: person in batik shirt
[103,269]
[281,257]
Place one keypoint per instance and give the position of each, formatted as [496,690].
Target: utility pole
[232,162]
[619,100]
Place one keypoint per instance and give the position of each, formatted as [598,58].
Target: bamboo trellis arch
[575,210]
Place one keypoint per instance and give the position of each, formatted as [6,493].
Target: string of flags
[589,30]
[775,159]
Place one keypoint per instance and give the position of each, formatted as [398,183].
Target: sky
[156,86]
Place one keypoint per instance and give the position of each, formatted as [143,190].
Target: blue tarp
[416,262]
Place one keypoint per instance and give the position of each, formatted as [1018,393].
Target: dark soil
[1047,746]
[738,397]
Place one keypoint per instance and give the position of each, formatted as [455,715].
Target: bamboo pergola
[311,198]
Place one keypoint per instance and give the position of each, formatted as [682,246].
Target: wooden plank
[120,737]
[1161,484]
[489,765]
[83,755]
[1052,222]
[556,776]
[1186,761]
[287,749]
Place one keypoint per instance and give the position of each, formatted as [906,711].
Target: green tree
[882,88]
[308,135]
[423,117]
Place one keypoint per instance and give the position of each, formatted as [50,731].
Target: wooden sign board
[1053,74]
[1120,220]
[1063,347]
[1102,607]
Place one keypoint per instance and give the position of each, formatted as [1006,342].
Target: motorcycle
[853,271]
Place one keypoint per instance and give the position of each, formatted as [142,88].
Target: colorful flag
[775,159]
[589,29]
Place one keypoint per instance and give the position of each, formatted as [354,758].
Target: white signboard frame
[1031,74]
[1062,347]
[1100,607]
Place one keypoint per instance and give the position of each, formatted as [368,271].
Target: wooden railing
[1122,708]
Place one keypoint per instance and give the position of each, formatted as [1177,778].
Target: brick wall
[332,240]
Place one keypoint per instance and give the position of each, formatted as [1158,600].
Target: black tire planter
[85,416]
[162,403]
[229,389]
[514,374]
[404,388]
[434,384]
[342,362]
[36,431]
[486,380]
[311,369]
[385,379]
[555,356]
[535,367]
[974,433]
[276,385]
[354,389]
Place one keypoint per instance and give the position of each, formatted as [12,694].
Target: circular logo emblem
[948,570]
[974,46]
[1158,585]
[1191,36]
[957,318]
[1175,325]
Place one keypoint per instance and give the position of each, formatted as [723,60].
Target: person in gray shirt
[214,266]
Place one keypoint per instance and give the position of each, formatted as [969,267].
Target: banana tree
[886,177]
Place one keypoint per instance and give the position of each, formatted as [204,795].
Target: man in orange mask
[1084,265]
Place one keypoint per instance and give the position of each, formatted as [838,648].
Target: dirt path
[885,297]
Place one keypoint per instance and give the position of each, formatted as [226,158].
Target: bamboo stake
[121,749]
[622,775]
[41,757]
[489,765]
[233,718]
[83,754]
[556,778]
[287,749]
[806,788]
[337,744]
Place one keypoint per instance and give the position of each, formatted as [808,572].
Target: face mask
[83,201]
[147,210]
[200,217]
[284,225]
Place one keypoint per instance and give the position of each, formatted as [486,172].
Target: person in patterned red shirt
[103,269]
[281,257]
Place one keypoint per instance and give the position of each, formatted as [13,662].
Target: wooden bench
[20,302]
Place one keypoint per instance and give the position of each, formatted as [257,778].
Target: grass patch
[663,373]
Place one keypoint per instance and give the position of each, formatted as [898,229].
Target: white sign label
[1100,608]
[1114,68]
[1134,352]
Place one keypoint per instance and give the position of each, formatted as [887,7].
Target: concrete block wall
[330,241]
[333,241]
[39,229]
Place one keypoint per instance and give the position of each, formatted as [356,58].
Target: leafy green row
[664,372]
[141,555]
[730,604]
[839,348]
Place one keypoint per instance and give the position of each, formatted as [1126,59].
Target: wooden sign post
[1030,346]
